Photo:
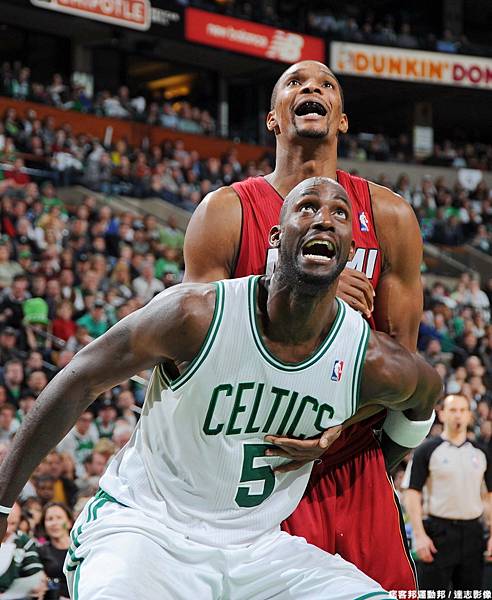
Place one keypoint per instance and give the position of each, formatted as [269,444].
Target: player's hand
[300,452]
[425,548]
[357,291]
[488,552]
[40,590]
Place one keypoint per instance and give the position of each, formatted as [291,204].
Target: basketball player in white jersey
[192,506]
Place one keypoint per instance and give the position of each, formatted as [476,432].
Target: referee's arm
[424,546]
[488,483]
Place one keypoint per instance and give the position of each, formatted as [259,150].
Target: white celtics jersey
[196,460]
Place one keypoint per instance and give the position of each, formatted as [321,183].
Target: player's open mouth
[310,109]
[322,251]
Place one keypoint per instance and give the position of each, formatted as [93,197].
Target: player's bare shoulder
[182,314]
[213,236]
[388,370]
[396,224]
[389,207]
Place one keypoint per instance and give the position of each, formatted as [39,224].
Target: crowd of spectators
[167,171]
[171,172]
[449,216]
[67,153]
[68,272]
[16,82]
[370,146]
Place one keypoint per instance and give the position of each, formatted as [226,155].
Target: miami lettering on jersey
[246,397]
[364,261]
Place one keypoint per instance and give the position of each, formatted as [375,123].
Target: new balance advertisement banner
[251,38]
[411,65]
[135,14]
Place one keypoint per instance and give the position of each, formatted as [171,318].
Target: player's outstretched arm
[399,296]
[395,378]
[400,381]
[171,327]
[212,237]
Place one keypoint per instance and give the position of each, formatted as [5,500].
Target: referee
[450,542]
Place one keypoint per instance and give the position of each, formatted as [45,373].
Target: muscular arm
[399,298]
[213,237]
[170,327]
[413,506]
[424,546]
[397,379]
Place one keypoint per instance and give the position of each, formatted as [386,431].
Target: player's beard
[314,134]
[309,284]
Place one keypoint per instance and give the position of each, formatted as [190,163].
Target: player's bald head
[298,67]
[317,186]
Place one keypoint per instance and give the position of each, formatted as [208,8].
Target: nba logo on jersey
[364,222]
[336,374]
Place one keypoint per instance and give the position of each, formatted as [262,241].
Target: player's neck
[293,316]
[295,163]
[455,437]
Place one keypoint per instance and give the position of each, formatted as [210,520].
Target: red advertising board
[251,38]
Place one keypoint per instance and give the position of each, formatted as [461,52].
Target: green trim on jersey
[359,366]
[375,595]
[192,368]
[265,352]
[98,501]
[76,582]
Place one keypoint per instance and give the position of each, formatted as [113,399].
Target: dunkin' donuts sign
[135,14]
[411,65]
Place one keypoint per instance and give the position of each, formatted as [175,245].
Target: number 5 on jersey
[250,473]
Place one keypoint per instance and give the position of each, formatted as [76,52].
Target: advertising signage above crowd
[135,14]
[411,65]
[246,37]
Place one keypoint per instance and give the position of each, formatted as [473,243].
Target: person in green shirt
[171,235]
[95,320]
[168,263]
[49,197]
[21,571]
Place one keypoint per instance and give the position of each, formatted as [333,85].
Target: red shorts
[350,508]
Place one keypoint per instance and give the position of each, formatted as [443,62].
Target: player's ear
[343,124]
[352,251]
[274,237]
[271,122]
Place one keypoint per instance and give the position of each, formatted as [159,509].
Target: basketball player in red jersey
[349,507]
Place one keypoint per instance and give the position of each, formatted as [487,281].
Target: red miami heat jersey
[350,484]
[261,205]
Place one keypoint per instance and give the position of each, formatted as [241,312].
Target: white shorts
[117,553]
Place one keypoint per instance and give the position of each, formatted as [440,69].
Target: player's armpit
[399,296]
[213,237]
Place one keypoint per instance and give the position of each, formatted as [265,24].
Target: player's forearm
[412,501]
[488,510]
[393,453]
[418,406]
[53,415]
